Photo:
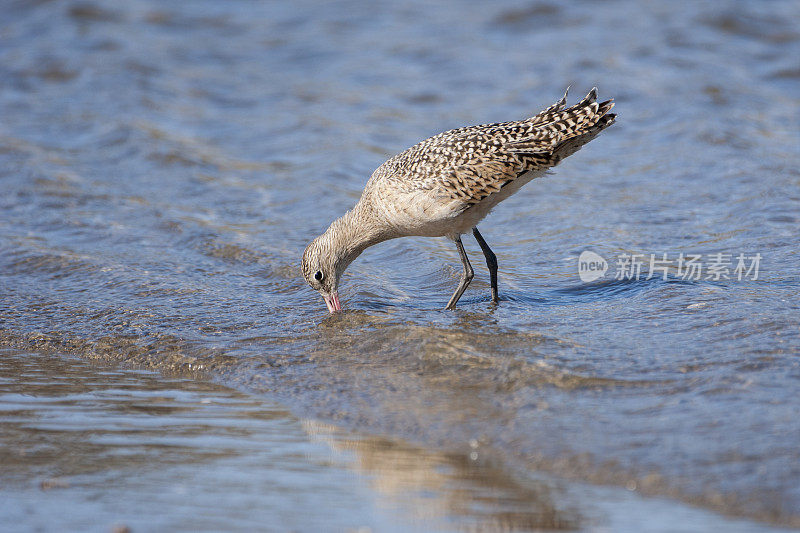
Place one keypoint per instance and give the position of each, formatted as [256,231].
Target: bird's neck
[357,230]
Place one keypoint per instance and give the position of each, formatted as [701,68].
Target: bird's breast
[419,212]
[428,212]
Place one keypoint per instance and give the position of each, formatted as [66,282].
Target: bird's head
[323,267]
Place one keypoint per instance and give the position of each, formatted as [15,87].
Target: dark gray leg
[491,262]
[466,277]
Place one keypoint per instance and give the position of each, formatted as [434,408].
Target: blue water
[91,447]
[163,167]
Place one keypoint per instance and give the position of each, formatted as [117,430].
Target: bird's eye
[318,275]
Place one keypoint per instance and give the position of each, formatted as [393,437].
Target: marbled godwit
[445,185]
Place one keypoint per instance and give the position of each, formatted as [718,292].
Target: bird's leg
[466,277]
[491,262]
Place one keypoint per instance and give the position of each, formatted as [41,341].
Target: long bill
[332,301]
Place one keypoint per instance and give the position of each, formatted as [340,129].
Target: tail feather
[572,145]
[559,132]
[550,114]
[558,106]
[590,98]
[605,107]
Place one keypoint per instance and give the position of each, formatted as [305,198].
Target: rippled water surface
[88,447]
[163,165]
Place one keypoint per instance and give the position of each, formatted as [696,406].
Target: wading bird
[445,185]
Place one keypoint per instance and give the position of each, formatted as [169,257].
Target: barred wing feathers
[469,164]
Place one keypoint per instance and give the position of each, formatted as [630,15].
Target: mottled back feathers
[471,163]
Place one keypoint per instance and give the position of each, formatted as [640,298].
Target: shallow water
[91,447]
[163,168]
